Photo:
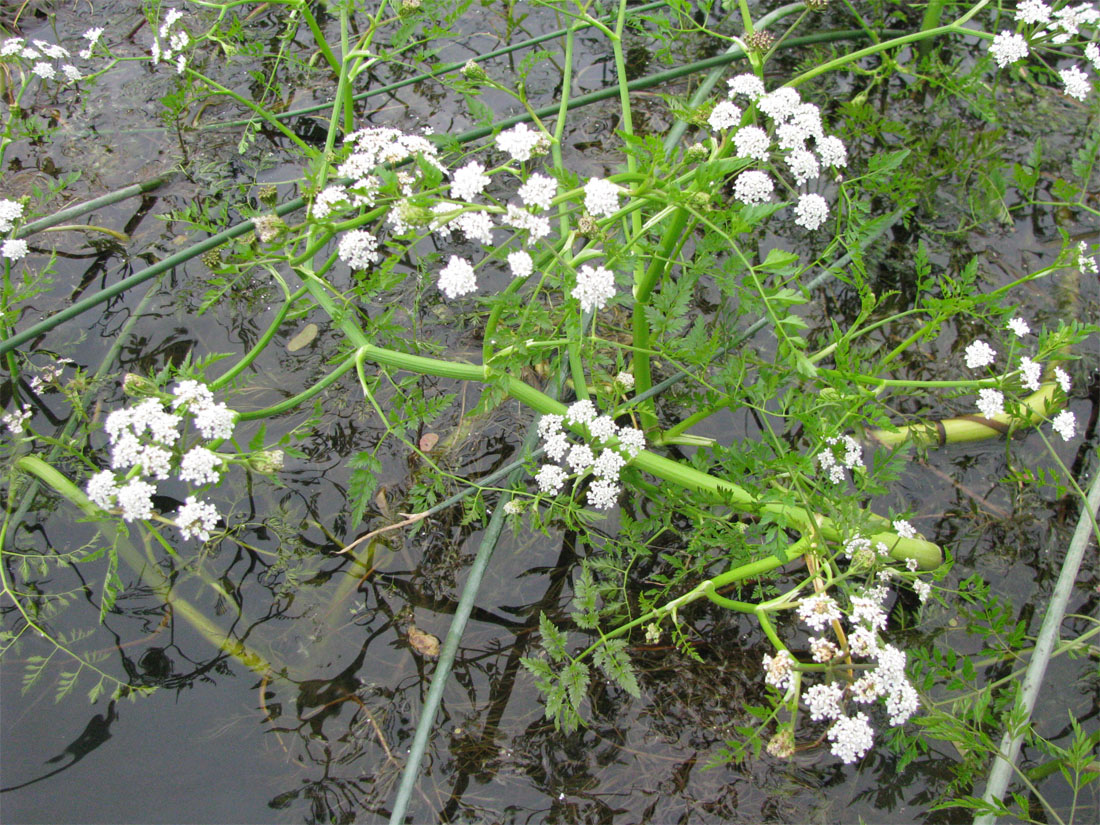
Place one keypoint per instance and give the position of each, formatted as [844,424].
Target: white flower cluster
[16,420]
[521,142]
[581,458]
[1058,26]
[851,735]
[834,465]
[595,287]
[10,212]
[143,440]
[171,40]
[601,198]
[991,402]
[794,124]
[46,58]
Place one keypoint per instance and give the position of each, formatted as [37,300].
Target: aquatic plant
[634,308]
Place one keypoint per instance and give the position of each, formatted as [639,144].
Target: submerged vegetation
[705,348]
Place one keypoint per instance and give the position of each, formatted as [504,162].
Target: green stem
[951,28]
[260,345]
[259,110]
[76,210]
[306,394]
[643,289]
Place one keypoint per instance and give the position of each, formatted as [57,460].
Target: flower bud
[266,462]
[138,386]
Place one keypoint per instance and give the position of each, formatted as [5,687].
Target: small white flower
[867,609]
[200,466]
[1062,377]
[513,507]
[979,354]
[477,226]
[778,669]
[1092,52]
[550,478]
[469,181]
[1033,11]
[608,465]
[625,380]
[863,642]
[457,278]
[520,142]
[556,446]
[832,152]
[631,440]
[818,611]
[823,701]
[326,201]
[780,103]
[1008,47]
[14,249]
[811,212]
[603,493]
[581,412]
[595,287]
[601,198]
[823,650]
[904,529]
[725,115]
[539,191]
[851,736]
[156,461]
[922,589]
[748,85]
[520,263]
[537,226]
[72,73]
[1076,82]
[753,187]
[1019,327]
[902,702]
[803,165]
[550,425]
[1031,373]
[991,403]
[215,420]
[136,500]
[358,249]
[580,458]
[1065,423]
[187,391]
[752,142]
[10,212]
[196,518]
[603,428]
[102,489]
[45,71]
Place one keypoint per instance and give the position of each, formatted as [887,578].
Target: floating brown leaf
[423,643]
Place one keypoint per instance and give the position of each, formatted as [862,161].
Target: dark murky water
[325,739]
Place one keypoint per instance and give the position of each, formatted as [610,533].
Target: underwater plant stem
[258,109]
[261,344]
[426,724]
[957,27]
[1009,750]
[151,572]
[78,209]
[306,394]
